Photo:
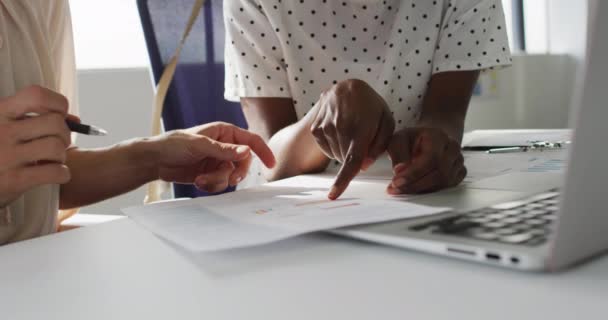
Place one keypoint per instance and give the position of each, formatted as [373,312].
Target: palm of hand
[212,156]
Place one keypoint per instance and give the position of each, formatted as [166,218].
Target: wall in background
[537,90]
[568,27]
[534,93]
[120,101]
[556,26]
[108,34]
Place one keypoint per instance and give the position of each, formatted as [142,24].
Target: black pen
[85,128]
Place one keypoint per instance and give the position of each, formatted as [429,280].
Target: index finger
[38,100]
[350,168]
[257,145]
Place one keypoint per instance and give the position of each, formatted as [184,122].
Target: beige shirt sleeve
[36,48]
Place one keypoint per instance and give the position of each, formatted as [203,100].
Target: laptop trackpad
[464,199]
[526,182]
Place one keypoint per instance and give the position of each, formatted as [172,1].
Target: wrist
[314,152]
[454,129]
[145,154]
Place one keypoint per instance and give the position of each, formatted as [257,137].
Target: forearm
[101,174]
[296,151]
[451,124]
[446,102]
[290,139]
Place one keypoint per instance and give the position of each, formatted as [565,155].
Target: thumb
[73,118]
[210,148]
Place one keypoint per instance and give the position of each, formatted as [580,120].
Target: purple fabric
[196,95]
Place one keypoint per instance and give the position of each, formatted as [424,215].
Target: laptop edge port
[493,256]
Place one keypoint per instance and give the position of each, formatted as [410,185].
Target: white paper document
[263,215]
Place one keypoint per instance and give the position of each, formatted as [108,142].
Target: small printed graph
[312,203]
[343,205]
[554,165]
[310,206]
[326,204]
[263,211]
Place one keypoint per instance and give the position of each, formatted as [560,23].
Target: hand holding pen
[32,149]
[34,139]
[76,126]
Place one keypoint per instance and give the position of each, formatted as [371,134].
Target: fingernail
[333,194]
[242,149]
[399,182]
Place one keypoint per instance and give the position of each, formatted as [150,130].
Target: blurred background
[547,38]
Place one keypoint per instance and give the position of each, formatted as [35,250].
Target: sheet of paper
[482,165]
[505,138]
[263,215]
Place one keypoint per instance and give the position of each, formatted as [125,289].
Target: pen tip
[98,131]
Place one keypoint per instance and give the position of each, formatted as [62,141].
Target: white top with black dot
[298,48]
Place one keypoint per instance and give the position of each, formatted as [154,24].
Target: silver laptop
[546,231]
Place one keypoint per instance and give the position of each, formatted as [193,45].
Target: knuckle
[224,125]
[225,147]
[60,174]
[37,94]
[344,125]
[345,87]
[330,129]
[67,175]
[317,131]
[354,159]
[354,84]
[64,103]
[35,91]
[177,134]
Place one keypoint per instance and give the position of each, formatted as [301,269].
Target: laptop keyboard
[527,222]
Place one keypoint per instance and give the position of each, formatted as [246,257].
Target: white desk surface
[118,270]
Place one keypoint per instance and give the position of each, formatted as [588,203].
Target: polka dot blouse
[298,48]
